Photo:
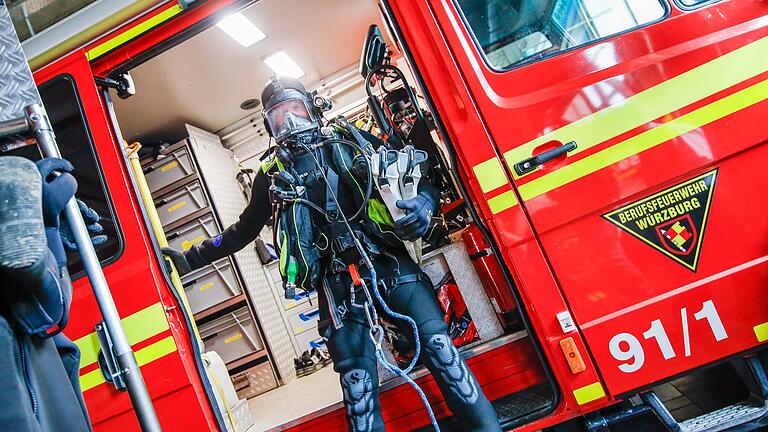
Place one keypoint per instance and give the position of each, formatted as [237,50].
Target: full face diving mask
[290,116]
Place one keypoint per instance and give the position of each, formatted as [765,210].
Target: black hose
[369,185]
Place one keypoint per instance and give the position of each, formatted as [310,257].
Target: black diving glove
[95,230]
[185,262]
[58,187]
[416,223]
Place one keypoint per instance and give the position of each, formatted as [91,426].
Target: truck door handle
[527,165]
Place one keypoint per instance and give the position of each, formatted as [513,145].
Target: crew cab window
[515,32]
[76,145]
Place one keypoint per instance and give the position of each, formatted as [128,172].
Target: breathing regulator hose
[377,332]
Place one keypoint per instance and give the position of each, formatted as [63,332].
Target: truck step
[509,408]
[755,407]
[725,418]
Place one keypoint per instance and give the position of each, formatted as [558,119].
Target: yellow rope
[224,399]
[157,227]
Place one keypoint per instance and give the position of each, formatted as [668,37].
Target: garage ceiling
[204,80]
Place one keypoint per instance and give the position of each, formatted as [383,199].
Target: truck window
[515,32]
[62,102]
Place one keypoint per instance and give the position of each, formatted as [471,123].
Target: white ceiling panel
[203,80]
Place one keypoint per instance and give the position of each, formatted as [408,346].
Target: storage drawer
[254,381]
[233,335]
[211,285]
[309,340]
[300,299]
[192,233]
[274,273]
[169,169]
[304,321]
[182,202]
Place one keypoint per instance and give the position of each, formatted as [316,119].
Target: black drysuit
[347,329]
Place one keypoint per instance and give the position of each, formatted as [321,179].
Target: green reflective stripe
[301,250]
[270,162]
[502,202]
[646,140]
[138,327]
[267,164]
[144,356]
[153,352]
[490,174]
[145,323]
[89,349]
[91,379]
[378,212]
[761,332]
[134,32]
[589,393]
[671,95]
[283,253]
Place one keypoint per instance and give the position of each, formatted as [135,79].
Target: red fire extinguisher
[491,275]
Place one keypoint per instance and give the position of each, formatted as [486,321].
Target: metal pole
[13,127]
[137,390]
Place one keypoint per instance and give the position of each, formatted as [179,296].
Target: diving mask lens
[288,117]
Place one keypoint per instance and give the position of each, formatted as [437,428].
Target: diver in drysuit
[319,184]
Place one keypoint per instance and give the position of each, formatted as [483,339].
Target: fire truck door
[634,132]
[149,313]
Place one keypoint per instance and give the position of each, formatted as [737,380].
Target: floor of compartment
[295,399]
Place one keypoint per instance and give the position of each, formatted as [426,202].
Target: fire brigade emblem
[671,221]
[678,235]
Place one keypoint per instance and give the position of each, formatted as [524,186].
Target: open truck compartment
[580,150]
[199,154]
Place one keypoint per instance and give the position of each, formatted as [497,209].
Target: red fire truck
[609,169]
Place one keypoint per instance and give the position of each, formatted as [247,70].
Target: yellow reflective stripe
[671,95]
[138,327]
[145,323]
[133,32]
[761,332]
[502,202]
[490,174]
[589,393]
[646,140]
[89,349]
[153,352]
[143,356]
[91,379]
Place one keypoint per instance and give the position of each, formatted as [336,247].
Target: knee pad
[448,366]
[360,386]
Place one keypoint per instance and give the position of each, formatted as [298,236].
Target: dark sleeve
[245,230]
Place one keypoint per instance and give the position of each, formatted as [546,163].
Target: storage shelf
[215,309]
[250,358]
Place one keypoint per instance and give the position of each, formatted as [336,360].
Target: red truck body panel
[649,109]
[676,103]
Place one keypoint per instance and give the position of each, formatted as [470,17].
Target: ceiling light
[283,65]
[240,29]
